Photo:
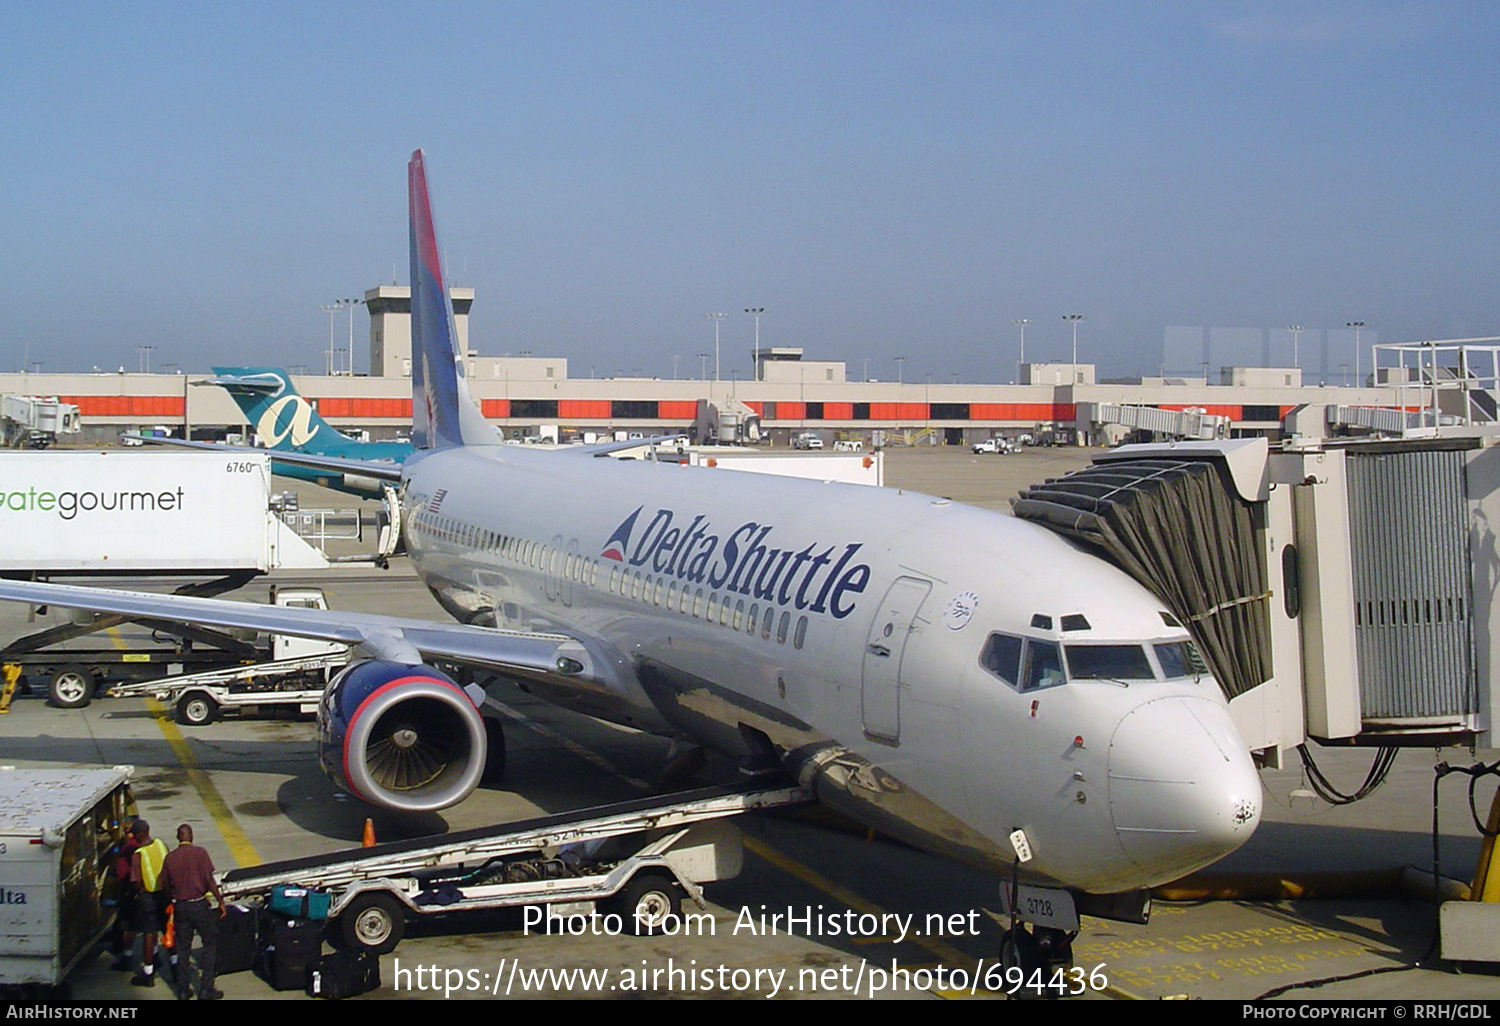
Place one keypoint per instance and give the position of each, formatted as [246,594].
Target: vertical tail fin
[280,417]
[442,413]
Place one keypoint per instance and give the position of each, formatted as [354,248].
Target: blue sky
[887,179]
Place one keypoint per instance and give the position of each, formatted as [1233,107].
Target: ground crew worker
[188,878]
[151,905]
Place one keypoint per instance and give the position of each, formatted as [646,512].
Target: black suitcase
[344,974]
[239,940]
[289,947]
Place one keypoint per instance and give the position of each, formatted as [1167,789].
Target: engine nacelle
[400,736]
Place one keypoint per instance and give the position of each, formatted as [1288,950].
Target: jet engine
[400,736]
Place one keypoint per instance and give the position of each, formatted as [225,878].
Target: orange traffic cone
[369,838]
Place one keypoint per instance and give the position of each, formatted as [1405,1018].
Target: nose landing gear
[1036,962]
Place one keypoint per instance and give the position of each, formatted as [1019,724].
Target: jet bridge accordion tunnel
[1343,593]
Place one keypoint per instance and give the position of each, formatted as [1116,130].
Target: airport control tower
[390,327]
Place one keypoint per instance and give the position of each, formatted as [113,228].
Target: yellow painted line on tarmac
[239,845]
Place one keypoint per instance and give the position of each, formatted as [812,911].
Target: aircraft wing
[543,657]
[377,469]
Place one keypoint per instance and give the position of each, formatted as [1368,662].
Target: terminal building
[532,396]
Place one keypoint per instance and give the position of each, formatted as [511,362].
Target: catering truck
[152,512]
[60,831]
[201,516]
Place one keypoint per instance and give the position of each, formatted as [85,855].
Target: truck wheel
[374,921]
[648,903]
[195,709]
[72,687]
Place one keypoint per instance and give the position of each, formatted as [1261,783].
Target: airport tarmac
[253,790]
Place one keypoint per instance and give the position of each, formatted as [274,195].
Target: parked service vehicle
[807,441]
[226,669]
[60,830]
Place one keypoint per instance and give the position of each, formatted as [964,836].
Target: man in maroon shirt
[188,876]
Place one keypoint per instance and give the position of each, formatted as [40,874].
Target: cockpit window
[1109,662]
[1043,666]
[1024,663]
[1179,659]
[1002,657]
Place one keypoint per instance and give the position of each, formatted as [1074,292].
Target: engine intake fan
[400,736]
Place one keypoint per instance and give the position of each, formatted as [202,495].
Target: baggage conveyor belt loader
[199,698]
[631,861]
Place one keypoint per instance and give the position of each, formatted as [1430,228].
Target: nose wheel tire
[1042,958]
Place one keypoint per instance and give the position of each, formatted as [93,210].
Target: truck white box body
[155,511]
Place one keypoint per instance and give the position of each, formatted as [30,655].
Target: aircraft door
[884,648]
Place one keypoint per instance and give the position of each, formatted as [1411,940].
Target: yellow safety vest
[152,856]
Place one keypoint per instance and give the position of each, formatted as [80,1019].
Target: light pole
[702,366]
[1296,330]
[145,354]
[1074,318]
[1021,323]
[900,360]
[1356,325]
[755,311]
[350,304]
[716,318]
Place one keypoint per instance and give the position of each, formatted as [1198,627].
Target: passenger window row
[729,611]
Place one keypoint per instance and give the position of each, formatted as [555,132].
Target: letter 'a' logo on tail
[615,548]
[442,414]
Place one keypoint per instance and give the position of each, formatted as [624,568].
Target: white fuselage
[859,635]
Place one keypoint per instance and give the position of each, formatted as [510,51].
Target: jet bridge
[1337,590]
[1191,424]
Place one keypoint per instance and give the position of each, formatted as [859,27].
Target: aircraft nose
[1183,791]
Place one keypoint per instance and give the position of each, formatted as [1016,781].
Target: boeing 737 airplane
[965,681]
[283,420]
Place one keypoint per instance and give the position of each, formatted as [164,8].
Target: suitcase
[289,947]
[239,940]
[300,902]
[344,974]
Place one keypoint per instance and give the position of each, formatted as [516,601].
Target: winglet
[442,413]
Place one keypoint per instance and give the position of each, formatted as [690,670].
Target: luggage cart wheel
[195,709]
[373,921]
[648,903]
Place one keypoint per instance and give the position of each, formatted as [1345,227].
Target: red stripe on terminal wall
[127,405]
[583,409]
[363,406]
